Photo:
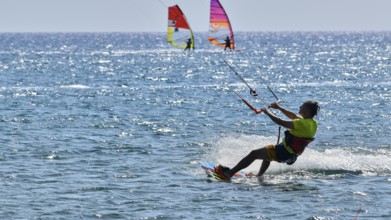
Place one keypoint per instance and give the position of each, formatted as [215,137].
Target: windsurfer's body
[227,43]
[188,44]
[301,130]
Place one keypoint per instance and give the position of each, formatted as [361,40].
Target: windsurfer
[227,43]
[188,46]
[301,130]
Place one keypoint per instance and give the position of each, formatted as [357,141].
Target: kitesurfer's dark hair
[313,107]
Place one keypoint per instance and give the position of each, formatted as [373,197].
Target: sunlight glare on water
[110,126]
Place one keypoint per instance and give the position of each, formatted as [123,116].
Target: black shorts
[280,154]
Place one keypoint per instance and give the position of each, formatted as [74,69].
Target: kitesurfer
[301,130]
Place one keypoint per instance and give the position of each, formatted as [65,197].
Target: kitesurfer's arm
[286,112]
[277,120]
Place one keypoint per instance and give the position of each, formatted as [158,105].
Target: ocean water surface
[114,125]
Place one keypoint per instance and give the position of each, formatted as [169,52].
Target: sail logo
[171,23]
[215,27]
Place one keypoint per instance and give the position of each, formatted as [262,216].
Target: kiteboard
[210,171]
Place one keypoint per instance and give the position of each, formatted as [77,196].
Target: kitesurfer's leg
[260,154]
[264,166]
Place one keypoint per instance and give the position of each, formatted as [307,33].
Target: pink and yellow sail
[178,31]
[220,28]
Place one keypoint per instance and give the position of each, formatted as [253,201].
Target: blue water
[113,126]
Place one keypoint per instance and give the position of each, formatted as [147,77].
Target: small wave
[335,83]
[333,172]
[151,51]
[76,86]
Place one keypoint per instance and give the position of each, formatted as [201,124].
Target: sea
[115,125]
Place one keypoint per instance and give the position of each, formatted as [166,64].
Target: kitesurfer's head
[309,109]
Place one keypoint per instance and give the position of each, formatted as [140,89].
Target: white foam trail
[369,163]
[76,86]
[231,149]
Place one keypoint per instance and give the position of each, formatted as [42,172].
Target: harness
[296,144]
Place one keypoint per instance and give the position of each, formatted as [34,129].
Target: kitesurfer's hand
[275,105]
[258,111]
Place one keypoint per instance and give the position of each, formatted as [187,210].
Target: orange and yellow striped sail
[220,28]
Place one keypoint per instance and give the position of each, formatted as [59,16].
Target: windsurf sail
[220,29]
[179,32]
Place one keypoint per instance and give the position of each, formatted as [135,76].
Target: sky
[151,15]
